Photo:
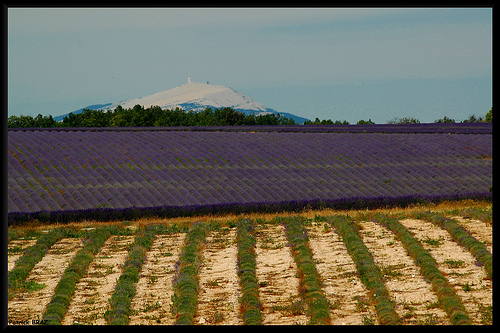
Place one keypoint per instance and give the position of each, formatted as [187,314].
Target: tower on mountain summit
[189,79]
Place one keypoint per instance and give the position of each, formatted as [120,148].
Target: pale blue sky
[331,63]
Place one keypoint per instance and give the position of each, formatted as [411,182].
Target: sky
[330,63]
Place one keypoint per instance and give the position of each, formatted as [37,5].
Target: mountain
[90,107]
[195,96]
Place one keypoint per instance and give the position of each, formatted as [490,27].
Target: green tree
[445,120]
[473,119]
[45,121]
[20,121]
[282,120]
[365,122]
[404,120]
[489,116]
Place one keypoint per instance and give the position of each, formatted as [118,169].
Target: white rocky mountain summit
[195,96]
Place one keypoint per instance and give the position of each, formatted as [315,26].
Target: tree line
[488,118]
[138,116]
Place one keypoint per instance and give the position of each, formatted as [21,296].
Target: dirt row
[276,271]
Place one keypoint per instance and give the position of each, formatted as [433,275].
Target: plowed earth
[218,297]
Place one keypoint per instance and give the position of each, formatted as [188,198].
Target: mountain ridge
[195,96]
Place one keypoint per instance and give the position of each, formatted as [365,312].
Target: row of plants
[186,280]
[124,292]
[482,214]
[133,213]
[463,238]
[78,173]
[32,255]
[310,285]
[65,288]
[154,117]
[368,272]
[447,298]
[250,304]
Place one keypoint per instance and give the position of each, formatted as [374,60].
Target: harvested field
[285,292]
[29,305]
[347,295]
[91,297]
[278,283]
[464,273]
[154,289]
[218,300]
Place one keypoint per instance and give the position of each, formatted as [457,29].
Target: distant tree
[326,122]
[445,120]
[404,120]
[45,121]
[473,119]
[365,122]
[138,116]
[230,117]
[282,120]
[20,121]
[489,116]
[267,119]
[29,121]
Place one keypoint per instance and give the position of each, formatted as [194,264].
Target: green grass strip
[124,292]
[460,235]
[310,284]
[250,304]
[65,289]
[185,298]
[369,273]
[32,255]
[447,298]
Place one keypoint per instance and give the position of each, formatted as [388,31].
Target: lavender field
[78,173]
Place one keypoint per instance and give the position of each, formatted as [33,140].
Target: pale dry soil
[219,283]
[90,300]
[459,266]
[480,230]
[347,295]
[16,245]
[47,272]
[276,273]
[151,303]
[416,304]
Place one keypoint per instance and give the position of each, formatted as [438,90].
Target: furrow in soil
[46,274]
[416,303]
[151,304]
[16,249]
[347,295]
[90,300]
[459,266]
[480,230]
[276,272]
[219,284]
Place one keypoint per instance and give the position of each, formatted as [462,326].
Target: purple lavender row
[109,214]
[464,128]
[78,170]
